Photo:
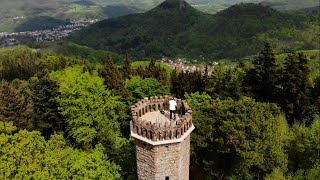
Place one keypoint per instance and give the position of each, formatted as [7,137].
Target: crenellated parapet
[151,131]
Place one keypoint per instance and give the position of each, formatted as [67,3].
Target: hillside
[173,29]
[14,13]
[290,5]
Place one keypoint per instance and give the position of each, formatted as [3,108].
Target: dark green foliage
[113,78]
[173,29]
[262,81]
[157,72]
[73,50]
[19,63]
[41,23]
[120,10]
[236,138]
[15,107]
[187,82]
[225,82]
[125,157]
[153,71]
[316,93]
[126,69]
[47,117]
[296,88]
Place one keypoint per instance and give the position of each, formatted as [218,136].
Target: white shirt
[172,105]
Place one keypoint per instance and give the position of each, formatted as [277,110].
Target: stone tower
[162,145]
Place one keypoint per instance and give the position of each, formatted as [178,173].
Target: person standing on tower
[172,108]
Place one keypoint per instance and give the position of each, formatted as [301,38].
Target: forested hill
[175,28]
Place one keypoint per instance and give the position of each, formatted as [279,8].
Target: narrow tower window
[167,177]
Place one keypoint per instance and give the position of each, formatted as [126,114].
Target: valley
[173,30]
[13,13]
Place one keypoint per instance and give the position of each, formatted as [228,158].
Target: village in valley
[14,38]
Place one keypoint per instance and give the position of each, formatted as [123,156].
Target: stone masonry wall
[161,161]
[158,131]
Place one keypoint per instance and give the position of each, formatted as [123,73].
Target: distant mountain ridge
[291,5]
[172,30]
[102,9]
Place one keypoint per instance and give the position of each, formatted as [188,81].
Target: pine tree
[262,80]
[47,117]
[316,93]
[15,107]
[113,78]
[296,87]
[154,70]
[225,83]
[174,82]
[126,68]
[140,71]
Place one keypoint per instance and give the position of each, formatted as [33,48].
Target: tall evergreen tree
[126,68]
[187,82]
[316,93]
[262,80]
[154,70]
[225,83]
[15,107]
[296,87]
[47,117]
[113,78]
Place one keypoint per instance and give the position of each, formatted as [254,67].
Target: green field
[136,64]
[314,60]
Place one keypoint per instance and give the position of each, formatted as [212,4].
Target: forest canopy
[65,118]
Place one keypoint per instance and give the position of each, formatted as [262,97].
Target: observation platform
[151,126]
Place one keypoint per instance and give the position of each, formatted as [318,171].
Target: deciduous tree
[238,139]
[26,155]
[92,112]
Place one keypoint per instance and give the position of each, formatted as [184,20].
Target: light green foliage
[145,64]
[91,111]
[239,138]
[276,174]
[7,127]
[304,147]
[141,88]
[26,155]
[196,100]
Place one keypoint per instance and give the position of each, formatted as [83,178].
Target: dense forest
[65,118]
[173,29]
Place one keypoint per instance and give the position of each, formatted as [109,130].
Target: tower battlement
[155,128]
[162,145]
